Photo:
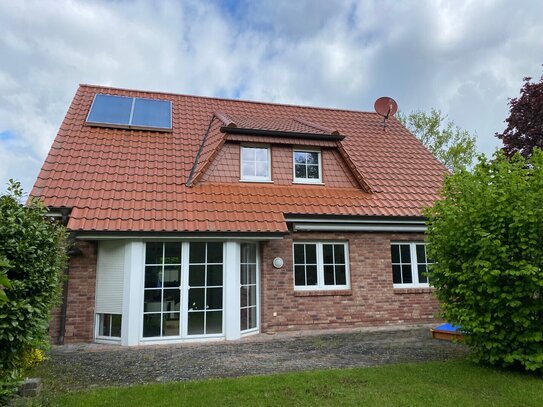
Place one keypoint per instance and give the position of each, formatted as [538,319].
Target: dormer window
[307,167]
[255,164]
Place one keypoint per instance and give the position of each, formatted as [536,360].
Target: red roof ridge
[223,117]
[316,126]
[335,109]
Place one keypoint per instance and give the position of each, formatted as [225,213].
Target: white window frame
[254,178]
[414,264]
[257,327]
[297,180]
[320,268]
[97,323]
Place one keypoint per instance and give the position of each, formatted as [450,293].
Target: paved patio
[83,366]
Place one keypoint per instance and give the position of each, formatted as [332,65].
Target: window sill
[307,183]
[266,181]
[324,293]
[414,290]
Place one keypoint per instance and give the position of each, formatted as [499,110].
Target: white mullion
[184,289]
[414,264]
[320,267]
[205,291]
[334,262]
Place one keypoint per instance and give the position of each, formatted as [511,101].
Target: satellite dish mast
[385,107]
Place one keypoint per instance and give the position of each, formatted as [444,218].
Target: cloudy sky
[463,57]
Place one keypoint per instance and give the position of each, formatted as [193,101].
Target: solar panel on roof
[152,113]
[108,109]
[128,112]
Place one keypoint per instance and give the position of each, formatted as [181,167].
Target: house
[200,218]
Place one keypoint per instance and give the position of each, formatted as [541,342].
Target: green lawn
[454,383]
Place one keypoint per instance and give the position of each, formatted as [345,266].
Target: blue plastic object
[447,327]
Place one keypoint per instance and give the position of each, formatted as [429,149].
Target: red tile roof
[131,180]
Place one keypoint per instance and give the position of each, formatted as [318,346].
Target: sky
[465,58]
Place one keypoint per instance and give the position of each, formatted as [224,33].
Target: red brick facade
[371,301]
[81,294]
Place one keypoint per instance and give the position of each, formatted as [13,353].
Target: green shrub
[486,236]
[34,249]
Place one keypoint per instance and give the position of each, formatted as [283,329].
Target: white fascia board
[162,238]
[342,227]
[352,221]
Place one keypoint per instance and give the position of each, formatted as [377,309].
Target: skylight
[130,113]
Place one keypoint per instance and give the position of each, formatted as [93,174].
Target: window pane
[170,324]
[247,154]
[214,275]
[313,158]
[397,274]
[341,275]
[252,295]
[172,276]
[171,300]
[261,154]
[252,317]
[329,275]
[328,254]
[313,171]
[173,253]
[195,323]
[252,274]
[421,253]
[103,328]
[300,157]
[244,319]
[243,296]
[299,275]
[405,252]
[197,252]
[311,253]
[248,169]
[214,298]
[243,274]
[214,252]
[395,253]
[406,274]
[339,254]
[197,276]
[116,321]
[214,322]
[299,254]
[153,253]
[261,169]
[311,272]
[152,300]
[423,279]
[196,298]
[153,276]
[151,325]
[300,171]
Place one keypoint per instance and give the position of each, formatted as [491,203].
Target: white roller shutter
[109,277]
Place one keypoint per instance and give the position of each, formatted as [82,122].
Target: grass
[453,383]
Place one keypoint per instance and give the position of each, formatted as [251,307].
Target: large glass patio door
[248,287]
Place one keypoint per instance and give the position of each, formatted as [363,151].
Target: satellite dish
[385,107]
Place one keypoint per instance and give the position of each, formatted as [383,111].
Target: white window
[248,287]
[109,325]
[255,164]
[409,264]
[307,166]
[321,266]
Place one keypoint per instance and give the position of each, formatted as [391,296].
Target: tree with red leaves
[524,130]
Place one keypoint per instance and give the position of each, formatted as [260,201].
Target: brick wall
[371,301]
[81,293]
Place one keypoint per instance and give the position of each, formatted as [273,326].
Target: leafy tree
[486,236]
[524,129]
[34,252]
[451,145]
[4,281]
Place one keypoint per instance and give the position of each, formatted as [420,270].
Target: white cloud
[464,57]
